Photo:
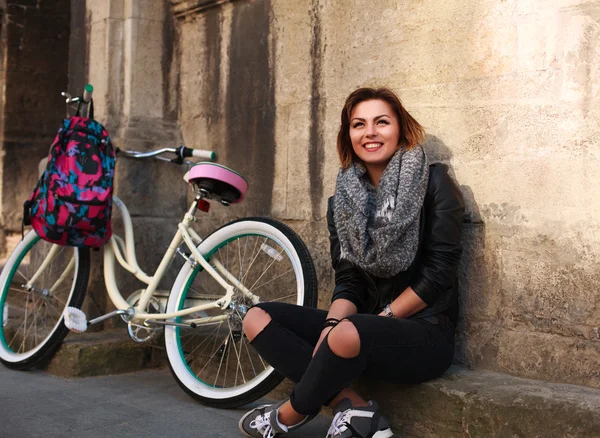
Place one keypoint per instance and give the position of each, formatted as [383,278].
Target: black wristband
[330,323]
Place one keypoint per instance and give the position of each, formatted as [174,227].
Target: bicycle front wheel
[38,282]
[214,362]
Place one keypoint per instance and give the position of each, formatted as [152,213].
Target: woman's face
[374,132]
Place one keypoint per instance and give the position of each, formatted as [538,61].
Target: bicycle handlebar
[87,93]
[85,98]
[181,152]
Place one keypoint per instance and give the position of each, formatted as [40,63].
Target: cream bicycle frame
[128,261]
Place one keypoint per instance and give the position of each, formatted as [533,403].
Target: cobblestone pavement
[143,404]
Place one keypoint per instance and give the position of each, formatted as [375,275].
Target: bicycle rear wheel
[31,313]
[214,362]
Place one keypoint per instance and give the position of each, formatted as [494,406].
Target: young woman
[395,228]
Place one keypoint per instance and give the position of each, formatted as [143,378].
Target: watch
[387,311]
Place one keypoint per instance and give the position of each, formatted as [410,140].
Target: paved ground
[144,404]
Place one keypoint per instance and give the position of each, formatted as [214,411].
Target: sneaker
[262,422]
[359,422]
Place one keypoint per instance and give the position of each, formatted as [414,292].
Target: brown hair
[411,132]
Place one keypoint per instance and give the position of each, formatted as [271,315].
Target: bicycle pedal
[75,320]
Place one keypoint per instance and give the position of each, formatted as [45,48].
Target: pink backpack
[72,202]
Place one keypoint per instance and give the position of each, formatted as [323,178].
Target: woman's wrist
[387,311]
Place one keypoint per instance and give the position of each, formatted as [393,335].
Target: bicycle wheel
[31,317]
[214,362]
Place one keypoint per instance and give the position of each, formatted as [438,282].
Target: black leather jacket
[432,274]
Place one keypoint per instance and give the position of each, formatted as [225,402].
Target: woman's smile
[373,146]
[375,135]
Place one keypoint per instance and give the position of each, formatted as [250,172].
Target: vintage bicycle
[250,260]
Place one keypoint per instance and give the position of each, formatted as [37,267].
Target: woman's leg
[395,350]
[284,335]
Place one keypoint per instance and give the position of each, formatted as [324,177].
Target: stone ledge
[465,403]
[103,353]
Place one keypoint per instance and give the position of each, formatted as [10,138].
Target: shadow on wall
[474,275]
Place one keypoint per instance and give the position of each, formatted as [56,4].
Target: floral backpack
[72,202]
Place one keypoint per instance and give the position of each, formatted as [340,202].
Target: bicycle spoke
[252,289]
[206,339]
[257,253]
[25,324]
[208,361]
[283,298]
[239,258]
[22,275]
[263,273]
[226,368]
[249,356]
[35,318]
[62,303]
[19,291]
[221,361]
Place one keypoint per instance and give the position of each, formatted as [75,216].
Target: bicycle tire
[277,250]
[26,315]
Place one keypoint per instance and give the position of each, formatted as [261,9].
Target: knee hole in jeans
[344,340]
[255,322]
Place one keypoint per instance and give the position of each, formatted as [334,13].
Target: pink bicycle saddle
[221,182]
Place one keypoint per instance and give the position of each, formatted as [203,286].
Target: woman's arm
[346,298]
[441,248]
[406,304]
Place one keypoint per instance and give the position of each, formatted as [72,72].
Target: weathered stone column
[128,53]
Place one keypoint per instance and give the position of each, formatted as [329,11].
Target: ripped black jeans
[394,350]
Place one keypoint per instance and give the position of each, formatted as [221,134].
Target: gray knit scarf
[378,228]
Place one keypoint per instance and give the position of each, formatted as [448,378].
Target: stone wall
[34,51]
[508,92]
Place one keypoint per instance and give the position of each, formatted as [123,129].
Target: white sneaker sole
[241,422]
[384,434]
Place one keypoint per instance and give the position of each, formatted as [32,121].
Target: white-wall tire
[285,271]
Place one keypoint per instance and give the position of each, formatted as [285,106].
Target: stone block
[102,353]
[526,192]
[537,278]
[294,55]
[549,357]
[98,37]
[479,274]
[139,183]
[143,93]
[103,10]
[145,10]
[292,195]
